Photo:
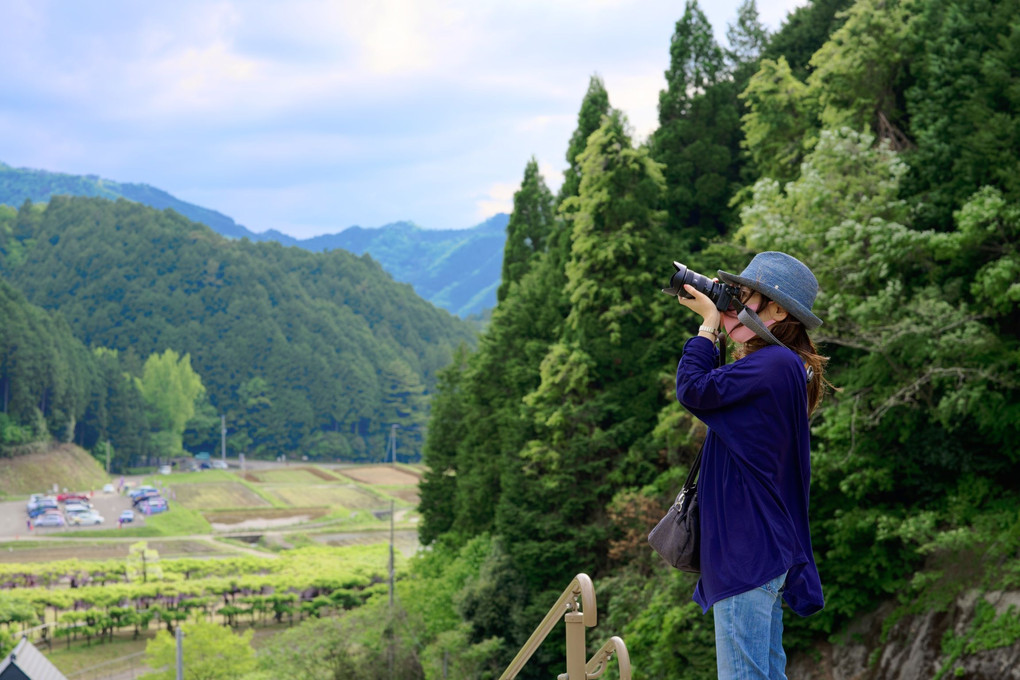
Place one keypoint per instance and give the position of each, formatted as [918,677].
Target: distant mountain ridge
[455,269]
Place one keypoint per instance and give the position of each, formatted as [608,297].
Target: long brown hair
[791,332]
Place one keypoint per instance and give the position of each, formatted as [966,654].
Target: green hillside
[18,185]
[455,269]
[305,353]
[78,471]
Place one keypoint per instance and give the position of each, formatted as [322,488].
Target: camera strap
[750,318]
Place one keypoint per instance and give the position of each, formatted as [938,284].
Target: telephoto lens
[720,293]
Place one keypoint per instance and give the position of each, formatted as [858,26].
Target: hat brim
[799,311]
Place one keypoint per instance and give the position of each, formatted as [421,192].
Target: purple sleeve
[701,386]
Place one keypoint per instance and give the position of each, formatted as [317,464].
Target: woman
[755,475]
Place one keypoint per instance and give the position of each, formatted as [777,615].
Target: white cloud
[498,198]
[312,113]
[553,177]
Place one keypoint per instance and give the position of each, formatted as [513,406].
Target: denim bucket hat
[782,278]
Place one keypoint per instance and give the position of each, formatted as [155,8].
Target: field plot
[405,540]
[47,551]
[261,518]
[381,475]
[218,495]
[408,494]
[298,475]
[348,497]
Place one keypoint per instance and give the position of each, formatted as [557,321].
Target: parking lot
[14,518]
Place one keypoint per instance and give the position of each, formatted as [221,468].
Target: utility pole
[392,513]
[223,438]
[107,456]
[180,651]
[391,446]
[393,619]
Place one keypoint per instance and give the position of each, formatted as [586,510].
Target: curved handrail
[581,587]
[600,660]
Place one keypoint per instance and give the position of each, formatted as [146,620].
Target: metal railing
[577,607]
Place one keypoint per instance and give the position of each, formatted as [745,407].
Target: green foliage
[332,352]
[805,30]
[780,121]
[660,623]
[45,373]
[987,630]
[210,652]
[529,228]
[371,642]
[698,139]
[962,105]
[858,74]
[170,389]
[594,107]
[889,170]
[747,36]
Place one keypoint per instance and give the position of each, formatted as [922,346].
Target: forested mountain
[876,141]
[456,269]
[18,185]
[315,354]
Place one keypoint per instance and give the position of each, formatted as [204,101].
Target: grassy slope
[37,472]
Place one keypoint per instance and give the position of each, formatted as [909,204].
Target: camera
[720,293]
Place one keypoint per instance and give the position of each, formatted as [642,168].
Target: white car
[85,518]
[218,464]
[49,520]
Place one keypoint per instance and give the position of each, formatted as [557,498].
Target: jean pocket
[776,586]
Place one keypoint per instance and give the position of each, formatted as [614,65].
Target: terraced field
[217,495]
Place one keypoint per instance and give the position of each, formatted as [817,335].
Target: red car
[72,496]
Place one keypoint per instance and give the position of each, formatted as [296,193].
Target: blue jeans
[749,634]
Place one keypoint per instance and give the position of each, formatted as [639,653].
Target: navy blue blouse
[755,481]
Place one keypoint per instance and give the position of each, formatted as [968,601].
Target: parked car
[127,516]
[144,490]
[85,518]
[77,507]
[219,464]
[138,500]
[38,507]
[39,510]
[49,519]
[72,496]
[108,488]
[165,469]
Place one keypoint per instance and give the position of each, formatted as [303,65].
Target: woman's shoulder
[777,357]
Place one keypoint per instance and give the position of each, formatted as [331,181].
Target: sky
[310,116]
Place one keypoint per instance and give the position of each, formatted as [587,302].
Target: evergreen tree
[858,74]
[438,487]
[806,29]
[962,105]
[551,511]
[780,125]
[594,107]
[528,229]
[748,38]
[698,139]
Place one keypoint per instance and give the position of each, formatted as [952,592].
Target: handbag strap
[692,478]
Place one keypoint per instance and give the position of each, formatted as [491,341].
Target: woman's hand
[701,304]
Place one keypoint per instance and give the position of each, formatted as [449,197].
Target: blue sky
[313,116]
